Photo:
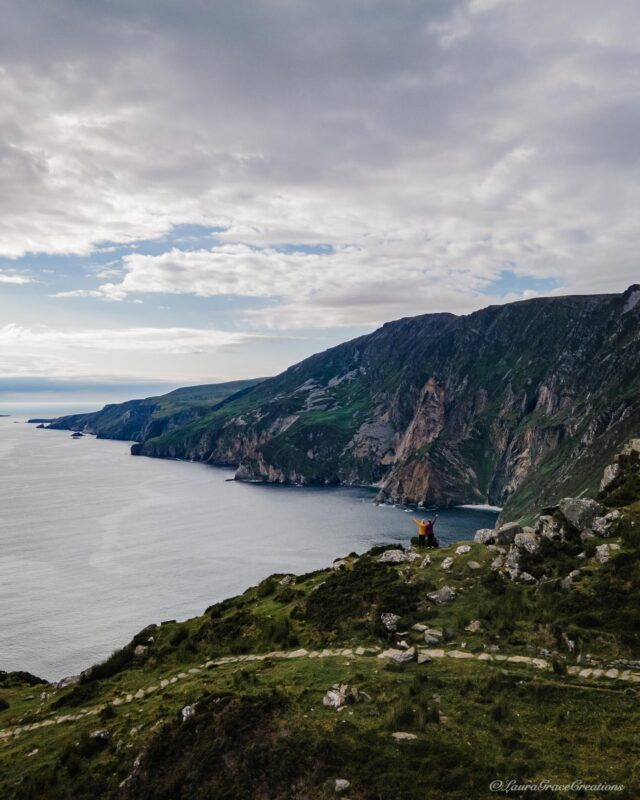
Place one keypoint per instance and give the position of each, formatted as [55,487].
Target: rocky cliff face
[514,405]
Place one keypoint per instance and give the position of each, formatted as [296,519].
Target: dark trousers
[421,541]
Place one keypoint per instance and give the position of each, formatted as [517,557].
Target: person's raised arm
[433,521]
[417,521]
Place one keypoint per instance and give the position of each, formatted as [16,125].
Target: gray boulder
[609,475]
[527,540]
[443,595]
[390,621]
[567,582]
[187,712]
[485,536]
[505,534]
[398,556]
[548,527]
[608,524]
[341,785]
[580,512]
[399,656]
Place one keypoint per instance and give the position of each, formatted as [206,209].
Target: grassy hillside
[528,670]
[136,420]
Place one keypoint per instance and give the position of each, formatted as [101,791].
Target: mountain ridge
[440,409]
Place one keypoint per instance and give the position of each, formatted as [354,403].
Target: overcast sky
[193,191]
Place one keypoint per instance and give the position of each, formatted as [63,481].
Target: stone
[462,549]
[505,534]
[567,583]
[443,595]
[341,785]
[586,535]
[419,627]
[485,536]
[423,658]
[287,580]
[187,712]
[602,553]
[399,656]
[390,621]
[611,472]
[608,524]
[473,627]
[433,635]
[101,736]
[339,564]
[497,563]
[474,565]
[447,563]
[402,736]
[580,512]
[398,556]
[527,540]
[548,527]
[342,694]
[426,562]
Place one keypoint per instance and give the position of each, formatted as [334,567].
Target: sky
[193,192]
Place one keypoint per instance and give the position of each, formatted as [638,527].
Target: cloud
[14,278]
[430,145]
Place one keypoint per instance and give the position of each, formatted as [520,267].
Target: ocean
[95,544]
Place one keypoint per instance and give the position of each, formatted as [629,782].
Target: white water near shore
[96,544]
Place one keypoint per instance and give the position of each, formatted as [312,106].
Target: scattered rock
[401,736]
[580,512]
[101,736]
[485,536]
[399,656]
[497,563]
[568,643]
[527,540]
[423,658]
[474,565]
[462,549]
[447,563]
[433,636]
[443,595]
[338,564]
[609,475]
[566,583]
[289,579]
[398,556]
[419,627]
[390,621]
[602,553]
[341,785]
[473,627]
[139,651]
[548,527]
[342,694]
[505,534]
[426,562]
[607,525]
[187,712]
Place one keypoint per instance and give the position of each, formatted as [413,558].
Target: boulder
[608,524]
[399,656]
[288,579]
[443,595]
[426,562]
[497,563]
[609,475]
[433,636]
[602,553]
[580,512]
[462,549]
[447,563]
[140,651]
[341,785]
[485,536]
[401,736]
[474,565]
[342,694]
[567,582]
[527,540]
[419,627]
[390,621]
[187,712]
[505,534]
[338,564]
[101,736]
[473,627]
[549,527]
[398,556]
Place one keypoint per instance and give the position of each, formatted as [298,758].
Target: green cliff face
[514,405]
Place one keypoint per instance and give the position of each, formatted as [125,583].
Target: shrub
[4,705]
[179,635]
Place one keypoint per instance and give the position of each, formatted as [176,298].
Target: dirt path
[423,655]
